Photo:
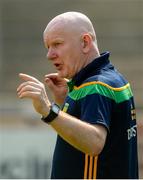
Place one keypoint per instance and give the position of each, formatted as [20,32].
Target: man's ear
[86,42]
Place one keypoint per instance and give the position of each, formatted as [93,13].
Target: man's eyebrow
[58,39]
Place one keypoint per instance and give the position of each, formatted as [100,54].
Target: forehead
[53,33]
[59,29]
[54,30]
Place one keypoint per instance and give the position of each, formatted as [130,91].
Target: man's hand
[35,90]
[58,87]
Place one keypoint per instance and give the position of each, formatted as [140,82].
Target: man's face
[64,50]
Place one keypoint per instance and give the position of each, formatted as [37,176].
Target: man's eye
[57,44]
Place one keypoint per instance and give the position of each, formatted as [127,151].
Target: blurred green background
[26,143]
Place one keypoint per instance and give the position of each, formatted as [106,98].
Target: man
[96,126]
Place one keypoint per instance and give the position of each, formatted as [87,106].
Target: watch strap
[52,114]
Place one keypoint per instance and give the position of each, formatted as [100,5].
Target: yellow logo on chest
[65,107]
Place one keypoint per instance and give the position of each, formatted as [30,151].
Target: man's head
[71,42]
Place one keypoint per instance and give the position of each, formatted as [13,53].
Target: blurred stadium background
[26,143]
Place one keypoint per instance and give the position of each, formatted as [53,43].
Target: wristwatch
[54,111]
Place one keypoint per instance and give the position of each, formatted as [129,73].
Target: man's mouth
[58,66]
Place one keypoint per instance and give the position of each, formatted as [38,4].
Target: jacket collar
[91,69]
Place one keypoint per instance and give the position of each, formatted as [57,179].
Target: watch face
[55,108]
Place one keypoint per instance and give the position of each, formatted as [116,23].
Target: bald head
[73,21]
[71,42]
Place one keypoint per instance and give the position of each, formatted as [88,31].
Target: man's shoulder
[114,79]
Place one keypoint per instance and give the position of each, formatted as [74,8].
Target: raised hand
[58,87]
[35,90]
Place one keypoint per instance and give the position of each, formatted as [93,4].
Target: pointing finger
[27,77]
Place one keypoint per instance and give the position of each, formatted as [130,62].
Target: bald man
[93,110]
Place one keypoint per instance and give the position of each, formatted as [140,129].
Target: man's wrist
[46,112]
[52,114]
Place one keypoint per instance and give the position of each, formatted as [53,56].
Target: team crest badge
[65,107]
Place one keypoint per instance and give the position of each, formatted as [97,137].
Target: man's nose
[51,54]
